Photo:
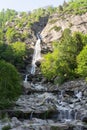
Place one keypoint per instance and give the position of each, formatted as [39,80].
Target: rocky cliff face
[57,23]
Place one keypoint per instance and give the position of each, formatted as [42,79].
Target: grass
[56,28]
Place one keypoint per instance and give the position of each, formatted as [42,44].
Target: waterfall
[36,55]
[31,115]
[25,80]
[66,114]
[79,95]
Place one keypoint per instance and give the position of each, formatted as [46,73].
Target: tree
[67,56]
[12,35]
[6,53]
[81,40]
[48,66]
[10,87]
[19,51]
[82,63]
[62,62]
[13,53]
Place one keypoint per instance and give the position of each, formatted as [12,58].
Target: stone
[15,122]
[26,87]
[38,63]
[84,119]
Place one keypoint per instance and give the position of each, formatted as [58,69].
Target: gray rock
[74,22]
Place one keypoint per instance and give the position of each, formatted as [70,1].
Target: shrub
[8,127]
[56,28]
[53,21]
[10,87]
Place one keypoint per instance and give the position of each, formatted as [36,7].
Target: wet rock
[38,63]
[69,92]
[36,103]
[15,122]
[74,85]
[26,87]
[84,119]
[57,126]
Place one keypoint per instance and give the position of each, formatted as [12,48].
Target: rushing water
[25,80]
[65,112]
[36,55]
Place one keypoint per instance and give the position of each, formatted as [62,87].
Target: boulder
[84,119]
[38,63]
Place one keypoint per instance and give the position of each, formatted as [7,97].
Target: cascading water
[36,55]
[67,111]
[25,80]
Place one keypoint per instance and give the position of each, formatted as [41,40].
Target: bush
[8,127]
[10,87]
[56,28]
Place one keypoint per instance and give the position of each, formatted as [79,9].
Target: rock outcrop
[57,23]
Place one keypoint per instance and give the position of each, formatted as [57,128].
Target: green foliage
[19,50]
[56,28]
[60,8]
[66,57]
[82,62]
[1,35]
[10,87]
[14,53]
[76,7]
[80,40]
[48,65]
[12,35]
[53,21]
[8,127]
[62,62]
[51,9]
[7,15]
[6,53]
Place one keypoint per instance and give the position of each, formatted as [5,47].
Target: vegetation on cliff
[70,49]
[68,61]
[76,7]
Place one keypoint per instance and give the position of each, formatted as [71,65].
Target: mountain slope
[57,24]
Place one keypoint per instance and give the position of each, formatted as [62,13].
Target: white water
[36,55]
[66,113]
[25,80]
[79,95]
